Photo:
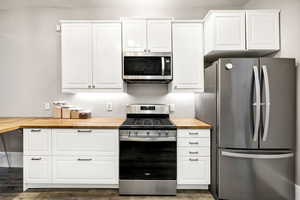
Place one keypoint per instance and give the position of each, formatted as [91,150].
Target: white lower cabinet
[37,169]
[194,170]
[193,158]
[85,170]
[75,158]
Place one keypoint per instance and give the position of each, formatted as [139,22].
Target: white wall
[290,41]
[30,55]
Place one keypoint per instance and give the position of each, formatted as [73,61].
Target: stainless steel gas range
[148,158]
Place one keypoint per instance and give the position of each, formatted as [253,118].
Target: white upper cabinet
[241,32]
[188,57]
[225,31]
[134,35]
[147,35]
[92,56]
[262,29]
[107,56]
[159,35]
[76,47]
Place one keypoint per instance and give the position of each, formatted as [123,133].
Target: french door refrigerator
[251,103]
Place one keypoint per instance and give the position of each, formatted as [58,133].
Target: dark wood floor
[98,194]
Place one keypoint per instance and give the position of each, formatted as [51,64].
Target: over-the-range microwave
[147,67]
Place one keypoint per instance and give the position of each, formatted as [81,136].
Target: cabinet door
[229,31]
[134,35]
[85,142]
[85,170]
[37,141]
[37,169]
[76,57]
[262,30]
[193,170]
[188,58]
[159,35]
[107,56]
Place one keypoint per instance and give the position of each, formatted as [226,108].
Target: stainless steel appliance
[147,67]
[148,153]
[252,106]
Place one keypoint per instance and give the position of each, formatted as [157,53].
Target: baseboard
[297,192]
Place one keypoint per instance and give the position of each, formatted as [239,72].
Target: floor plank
[98,194]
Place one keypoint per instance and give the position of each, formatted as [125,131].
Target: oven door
[148,159]
[147,68]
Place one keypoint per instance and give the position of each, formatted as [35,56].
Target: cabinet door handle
[94,86]
[194,152]
[193,143]
[89,86]
[194,160]
[35,130]
[84,159]
[84,131]
[36,158]
[191,133]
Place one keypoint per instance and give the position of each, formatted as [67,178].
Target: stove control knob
[167,134]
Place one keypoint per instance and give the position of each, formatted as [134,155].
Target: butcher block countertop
[11,124]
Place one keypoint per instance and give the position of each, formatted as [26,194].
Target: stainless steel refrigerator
[251,103]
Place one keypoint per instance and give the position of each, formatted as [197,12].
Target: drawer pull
[193,143]
[194,152]
[84,159]
[36,158]
[194,160]
[190,133]
[84,131]
[35,130]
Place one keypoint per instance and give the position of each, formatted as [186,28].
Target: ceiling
[208,4]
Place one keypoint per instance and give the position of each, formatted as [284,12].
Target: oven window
[142,66]
[148,160]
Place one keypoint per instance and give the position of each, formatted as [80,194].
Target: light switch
[47,106]
[109,106]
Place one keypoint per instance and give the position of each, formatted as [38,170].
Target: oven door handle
[148,139]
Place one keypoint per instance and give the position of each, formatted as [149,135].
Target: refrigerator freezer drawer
[259,175]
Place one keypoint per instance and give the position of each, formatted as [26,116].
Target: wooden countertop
[14,123]
[190,123]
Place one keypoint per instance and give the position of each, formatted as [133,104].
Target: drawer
[37,169]
[85,141]
[85,170]
[193,142]
[37,141]
[193,170]
[193,151]
[202,133]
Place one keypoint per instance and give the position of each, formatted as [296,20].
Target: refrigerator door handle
[257,156]
[267,103]
[257,103]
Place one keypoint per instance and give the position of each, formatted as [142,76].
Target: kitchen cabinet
[37,169]
[107,56]
[262,29]
[76,51]
[193,158]
[147,35]
[85,142]
[37,142]
[91,56]
[188,57]
[73,157]
[85,170]
[241,32]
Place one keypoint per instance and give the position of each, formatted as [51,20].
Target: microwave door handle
[162,66]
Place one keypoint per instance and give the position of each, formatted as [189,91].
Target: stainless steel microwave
[148,68]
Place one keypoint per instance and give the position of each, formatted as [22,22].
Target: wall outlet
[172,107]
[109,107]
[47,106]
